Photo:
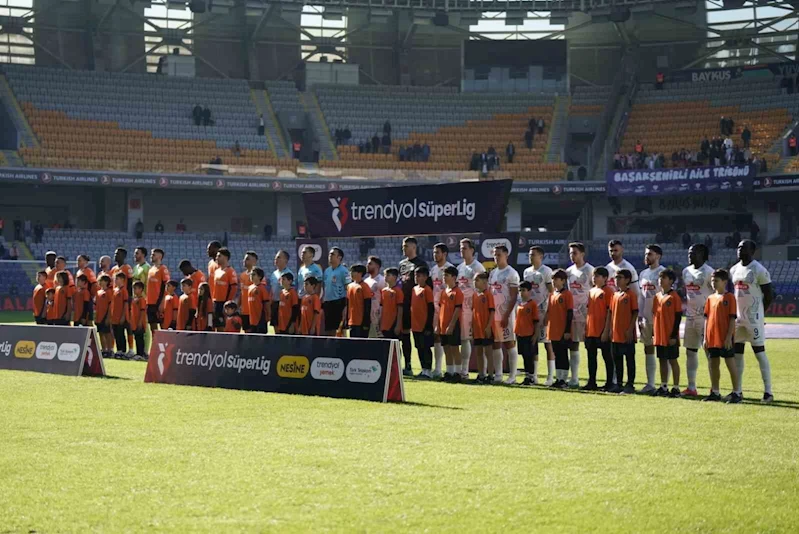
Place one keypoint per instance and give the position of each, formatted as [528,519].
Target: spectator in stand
[339,135]
[402,153]
[792,144]
[38,232]
[686,240]
[639,148]
[532,123]
[2,252]
[484,164]
[159,227]
[197,114]
[27,228]
[659,79]
[528,138]
[181,227]
[730,126]
[474,163]
[237,149]
[387,128]
[723,126]
[510,151]
[207,117]
[216,161]
[13,252]
[425,152]
[139,229]
[746,136]
[386,143]
[417,152]
[375,144]
[261,126]
[540,125]
[704,147]
[18,229]
[267,232]
[346,135]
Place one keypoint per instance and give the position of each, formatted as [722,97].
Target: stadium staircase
[270,123]
[267,127]
[11,159]
[27,138]
[327,147]
[559,130]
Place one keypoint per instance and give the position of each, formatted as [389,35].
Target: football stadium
[399,266]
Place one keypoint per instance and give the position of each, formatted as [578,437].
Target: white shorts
[694,335]
[578,330]
[646,334]
[753,334]
[504,335]
[466,324]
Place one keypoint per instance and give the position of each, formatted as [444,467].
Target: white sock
[563,374]
[483,363]
[550,370]
[739,361]
[765,370]
[513,362]
[574,365]
[466,354]
[535,370]
[450,369]
[456,369]
[651,369]
[498,363]
[439,352]
[693,367]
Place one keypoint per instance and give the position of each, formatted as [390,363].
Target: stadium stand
[96,120]
[678,116]
[453,124]
[589,100]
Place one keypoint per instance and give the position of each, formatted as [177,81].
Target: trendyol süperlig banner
[364,369]
[61,350]
[419,210]
[678,181]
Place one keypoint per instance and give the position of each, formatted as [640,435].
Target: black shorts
[219,315]
[88,312]
[274,307]
[334,310]
[59,322]
[152,314]
[245,322]
[484,342]
[526,346]
[595,343]
[258,329]
[720,353]
[283,333]
[668,353]
[103,329]
[453,339]
[173,325]
[389,334]
[359,331]
[40,320]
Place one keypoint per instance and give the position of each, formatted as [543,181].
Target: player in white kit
[698,280]
[504,283]
[617,263]
[540,278]
[376,282]
[649,286]
[440,253]
[580,278]
[753,295]
[466,273]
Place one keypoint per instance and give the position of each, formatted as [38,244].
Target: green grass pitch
[115,454]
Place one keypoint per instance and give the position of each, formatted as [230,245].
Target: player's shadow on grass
[112,377]
[426,405]
[791,405]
